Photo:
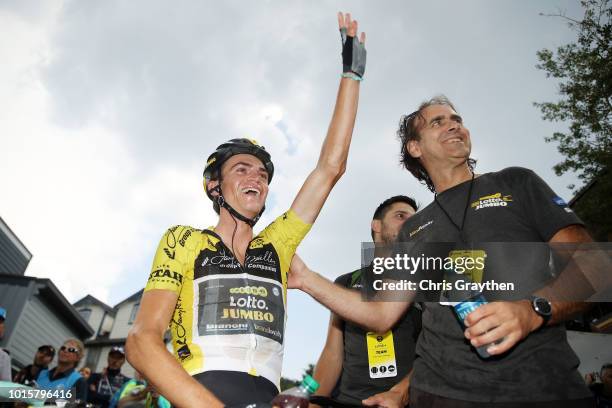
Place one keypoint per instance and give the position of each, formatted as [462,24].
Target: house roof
[15,240]
[582,192]
[130,298]
[48,290]
[90,300]
[51,294]
[14,256]
[105,341]
[585,189]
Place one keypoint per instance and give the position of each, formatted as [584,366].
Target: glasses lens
[69,349]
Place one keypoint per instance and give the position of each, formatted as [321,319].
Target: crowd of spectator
[108,388]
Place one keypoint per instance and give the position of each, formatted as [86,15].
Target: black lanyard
[467,204]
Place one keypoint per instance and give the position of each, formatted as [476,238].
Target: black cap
[117,350]
[47,349]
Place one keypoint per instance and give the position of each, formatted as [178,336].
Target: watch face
[542,306]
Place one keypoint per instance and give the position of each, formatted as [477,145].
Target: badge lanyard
[467,205]
[459,228]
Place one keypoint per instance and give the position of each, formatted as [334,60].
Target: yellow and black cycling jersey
[228,316]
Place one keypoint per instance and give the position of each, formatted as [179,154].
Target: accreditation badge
[381,355]
[472,269]
[468,265]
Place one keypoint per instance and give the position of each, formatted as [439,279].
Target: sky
[109,109]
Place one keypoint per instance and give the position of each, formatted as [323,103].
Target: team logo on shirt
[421,228]
[493,200]
[165,275]
[561,203]
[180,332]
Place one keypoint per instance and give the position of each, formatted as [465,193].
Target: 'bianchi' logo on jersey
[493,200]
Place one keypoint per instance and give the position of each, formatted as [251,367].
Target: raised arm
[334,152]
[147,353]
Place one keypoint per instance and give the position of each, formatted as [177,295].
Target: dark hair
[47,349]
[384,207]
[605,367]
[409,130]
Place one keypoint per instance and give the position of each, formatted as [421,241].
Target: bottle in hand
[296,397]
[462,309]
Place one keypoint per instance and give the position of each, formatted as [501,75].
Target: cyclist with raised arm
[222,290]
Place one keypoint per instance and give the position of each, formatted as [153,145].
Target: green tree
[287,383]
[309,370]
[584,71]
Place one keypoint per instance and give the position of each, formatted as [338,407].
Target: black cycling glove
[353,54]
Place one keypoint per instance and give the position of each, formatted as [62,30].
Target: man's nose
[255,175]
[252,175]
[452,125]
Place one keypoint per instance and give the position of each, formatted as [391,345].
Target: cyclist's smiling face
[443,137]
[245,184]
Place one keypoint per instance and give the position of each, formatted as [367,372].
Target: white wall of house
[593,349]
[95,317]
[124,319]
[87,356]
[117,327]
[107,324]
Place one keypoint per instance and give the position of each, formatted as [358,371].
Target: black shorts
[236,388]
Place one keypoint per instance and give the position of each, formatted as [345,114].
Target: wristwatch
[542,307]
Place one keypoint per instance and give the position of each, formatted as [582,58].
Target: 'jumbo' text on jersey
[228,316]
